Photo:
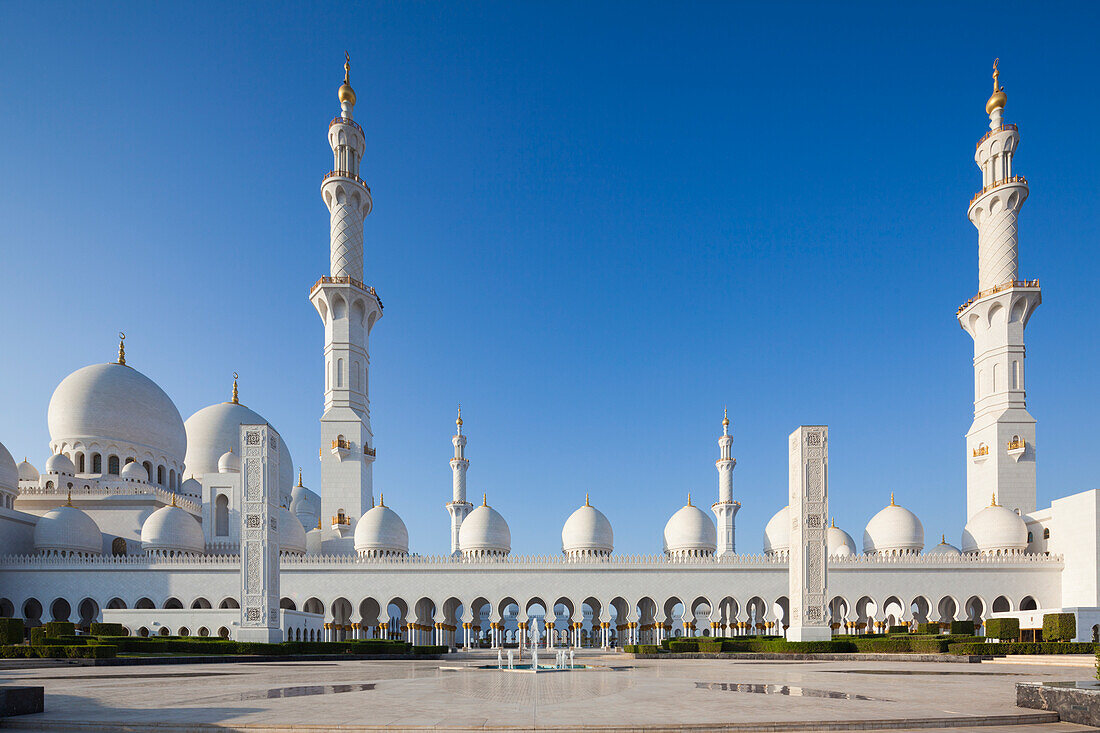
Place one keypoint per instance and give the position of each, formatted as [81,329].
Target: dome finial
[69,499]
[943,539]
[998,99]
[484,500]
[235,399]
[121,348]
[346,93]
[318,522]
[586,499]
[458,421]
[892,499]
[381,499]
[173,498]
[689,499]
[993,501]
[299,475]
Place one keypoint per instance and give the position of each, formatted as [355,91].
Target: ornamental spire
[346,93]
[234,400]
[299,476]
[998,99]
[458,421]
[725,421]
[121,348]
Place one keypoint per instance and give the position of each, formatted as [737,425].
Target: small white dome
[587,531]
[484,532]
[995,529]
[66,529]
[229,463]
[380,531]
[305,504]
[944,548]
[9,472]
[191,487]
[893,530]
[27,472]
[839,542]
[292,535]
[60,463]
[172,529]
[777,533]
[135,472]
[690,531]
[114,402]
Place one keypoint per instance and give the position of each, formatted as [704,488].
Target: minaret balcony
[370,452]
[341,448]
[991,133]
[980,454]
[990,187]
[346,280]
[1017,448]
[341,120]
[997,289]
[346,174]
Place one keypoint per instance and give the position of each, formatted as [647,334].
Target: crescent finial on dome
[586,499]
[173,498]
[484,500]
[689,499]
[993,499]
[346,93]
[299,475]
[998,99]
[69,499]
[235,399]
[121,348]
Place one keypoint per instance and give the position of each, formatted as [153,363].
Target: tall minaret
[725,509]
[348,309]
[458,507]
[1000,446]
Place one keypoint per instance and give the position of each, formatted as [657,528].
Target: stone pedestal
[809,509]
[259,535]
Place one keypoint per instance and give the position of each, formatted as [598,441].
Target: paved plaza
[623,694]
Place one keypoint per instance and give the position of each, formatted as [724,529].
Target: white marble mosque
[135,514]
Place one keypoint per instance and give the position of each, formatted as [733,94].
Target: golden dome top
[998,99]
[458,421]
[346,93]
[725,418]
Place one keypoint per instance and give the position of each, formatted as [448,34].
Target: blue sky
[594,226]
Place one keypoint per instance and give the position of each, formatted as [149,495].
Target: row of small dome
[897,531]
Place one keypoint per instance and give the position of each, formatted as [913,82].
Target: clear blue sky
[594,226]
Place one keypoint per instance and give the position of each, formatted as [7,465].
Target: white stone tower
[458,507]
[725,509]
[348,309]
[1000,446]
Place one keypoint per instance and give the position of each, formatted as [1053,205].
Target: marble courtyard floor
[630,694]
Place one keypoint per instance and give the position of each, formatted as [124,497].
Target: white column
[809,507]
[259,534]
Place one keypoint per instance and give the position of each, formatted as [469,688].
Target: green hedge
[98,628]
[56,651]
[1024,647]
[962,627]
[429,649]
[679,646]
[38,635]
[1059,626]
[11,631]
[54,629]
[206,645]
[897,630]
[930,627]
[890,645]
[709,647]
[1003,628]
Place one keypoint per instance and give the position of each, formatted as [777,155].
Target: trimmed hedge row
[216,645]
[1059,626]
[641,649]
[99,628]
[1003,628]
[962,627]
[11,631]
[55,629]
[57,651]
[1025,647]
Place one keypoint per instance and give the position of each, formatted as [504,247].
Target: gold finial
[834,522]
[173,498]
[586,499]
[318,522]
[994,499]
[121,348]
[234,400]
[943,539]
[484,500]
[299,475]
[458,422]
[346,93]
[725,417]
[892,499]
[998,99]
[689,499]
[69,500]
[381,499]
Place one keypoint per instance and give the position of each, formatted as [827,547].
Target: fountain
[510,660]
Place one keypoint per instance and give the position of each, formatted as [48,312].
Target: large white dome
[66,529]
[839,542]
[292,535]
[690,531]
[587,531]
[9,472]
[215,429]
[380,531]
[777,533]
[893,530]
[995,529]
[172,529]
[484,532]
[114,402]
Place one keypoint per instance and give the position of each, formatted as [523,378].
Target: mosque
[135,516]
